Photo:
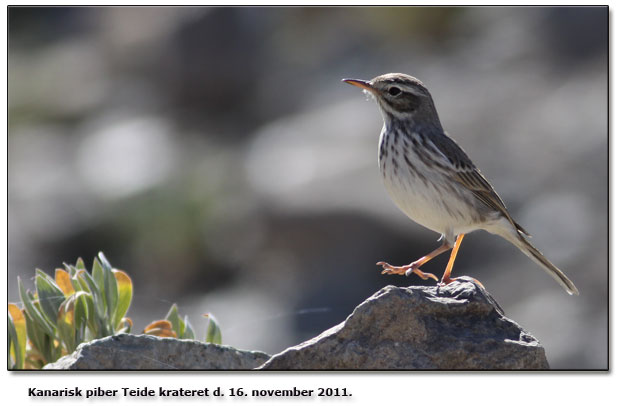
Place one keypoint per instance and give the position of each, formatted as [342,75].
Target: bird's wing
[463,171]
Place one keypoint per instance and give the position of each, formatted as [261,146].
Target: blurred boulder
[127,351]
[459,326]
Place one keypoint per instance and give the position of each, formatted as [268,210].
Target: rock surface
[128,351]
[458,326]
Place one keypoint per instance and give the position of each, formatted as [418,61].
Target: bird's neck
[410,124]
[410,121]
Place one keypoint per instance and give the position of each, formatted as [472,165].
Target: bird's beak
[362,84]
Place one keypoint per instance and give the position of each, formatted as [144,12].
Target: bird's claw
[406,270]
[392,270]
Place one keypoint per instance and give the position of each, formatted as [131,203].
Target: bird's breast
[423,193]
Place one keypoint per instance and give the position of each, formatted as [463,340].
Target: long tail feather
[533,253]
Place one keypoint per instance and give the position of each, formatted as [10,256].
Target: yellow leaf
[161,333]
[160,328]
[122,279]
[159,324]
[67,312]
[19,321]
[16,315]
[63,279]
[125,294]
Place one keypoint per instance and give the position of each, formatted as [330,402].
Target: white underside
[443,213]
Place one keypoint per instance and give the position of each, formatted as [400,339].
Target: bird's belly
[428,202]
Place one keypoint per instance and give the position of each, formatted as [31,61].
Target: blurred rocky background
[214,154]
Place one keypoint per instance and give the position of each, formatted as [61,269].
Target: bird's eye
[394,91]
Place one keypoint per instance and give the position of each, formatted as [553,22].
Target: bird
[434,182]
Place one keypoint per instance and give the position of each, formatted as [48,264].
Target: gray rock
[128,351]
[458,326]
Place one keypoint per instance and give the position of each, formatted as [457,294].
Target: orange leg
[414,266]
[445,279]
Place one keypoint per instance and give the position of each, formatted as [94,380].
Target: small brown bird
[433,181]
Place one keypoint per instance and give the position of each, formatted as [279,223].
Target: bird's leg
[414,266]
[445,279]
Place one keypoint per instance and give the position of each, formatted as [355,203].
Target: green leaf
[66,324]
[111,294]
[81,315]
[70,269]
[79,285]
[97,275]
[81,309]
[97,295]
[80,264]
[50,295]
[79,281]
[39,338]
[100,299]
[173,317]
[35,334]
[104,261]
[213,334]
[103,275]
[188,329]
[36,316]
[93,321]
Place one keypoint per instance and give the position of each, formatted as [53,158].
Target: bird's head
[400,97]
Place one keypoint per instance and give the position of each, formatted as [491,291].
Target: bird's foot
[448,280]
[405,270]
[393,270]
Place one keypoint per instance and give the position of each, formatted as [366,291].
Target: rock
[459,326]
[128,351]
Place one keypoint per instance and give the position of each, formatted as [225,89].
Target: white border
[421,388]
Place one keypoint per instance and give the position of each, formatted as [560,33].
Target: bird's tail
[532,252]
